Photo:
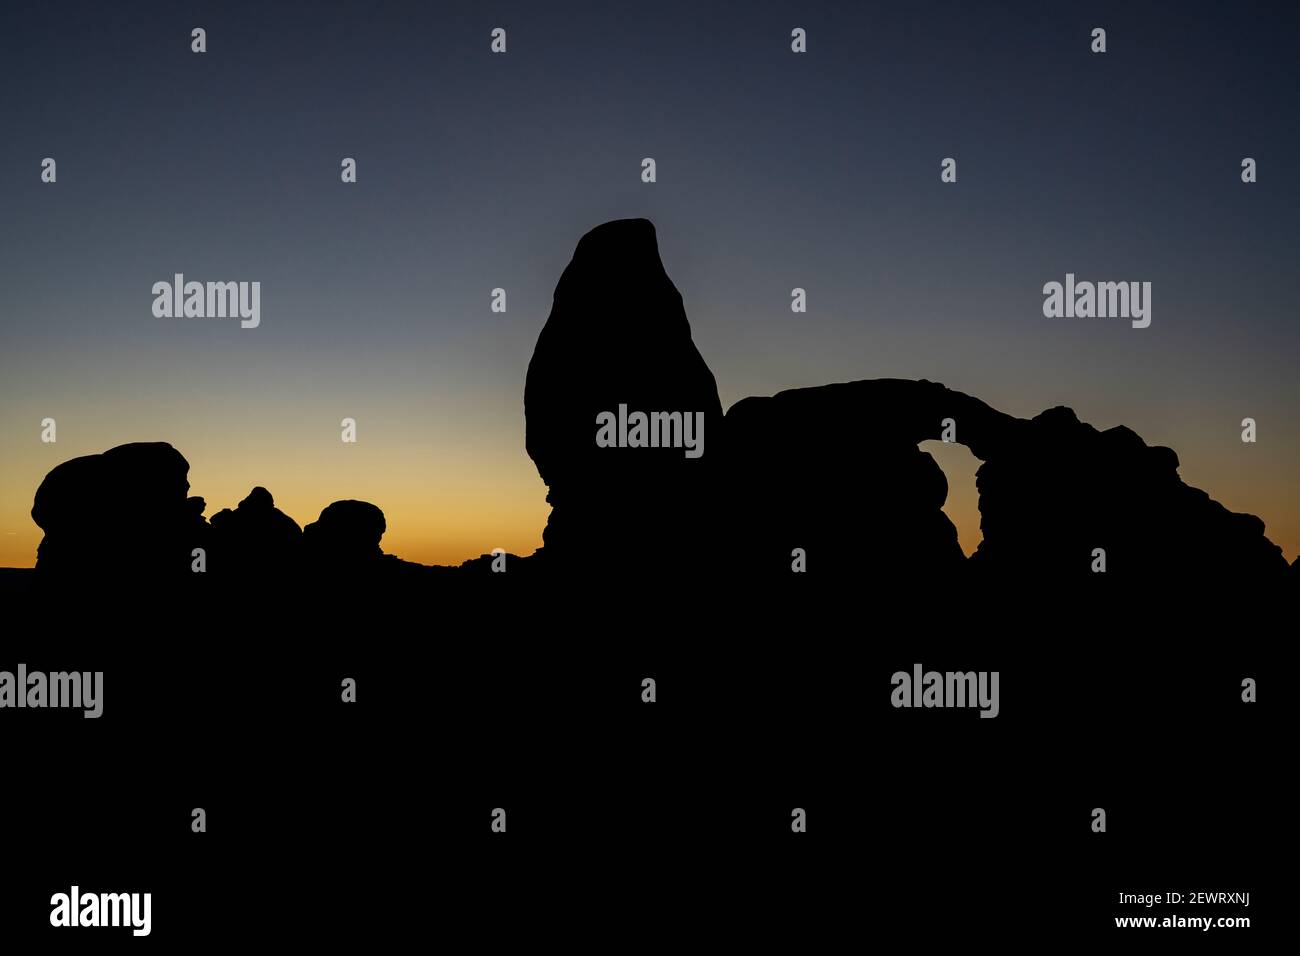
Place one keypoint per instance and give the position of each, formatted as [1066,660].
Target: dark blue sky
[775,170]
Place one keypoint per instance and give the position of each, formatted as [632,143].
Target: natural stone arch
[836,469]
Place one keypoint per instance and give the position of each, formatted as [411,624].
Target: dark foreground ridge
[524,690]
[828,477]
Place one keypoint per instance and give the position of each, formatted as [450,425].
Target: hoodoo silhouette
[833,470]
[618,335]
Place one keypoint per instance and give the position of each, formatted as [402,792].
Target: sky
[775,170]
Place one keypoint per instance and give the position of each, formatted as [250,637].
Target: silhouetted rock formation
[347,532]
[344,540]
[618,335]
[124,512]
[256,537]
[835,471]
[1062,489]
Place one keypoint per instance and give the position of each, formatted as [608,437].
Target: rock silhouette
[1063,489]
[835,472]
[256,537]
[123,512]
[347,532]
[344,540]
[618,335]
[832,471]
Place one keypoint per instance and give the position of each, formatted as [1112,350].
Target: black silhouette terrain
[481,689]
[832,473]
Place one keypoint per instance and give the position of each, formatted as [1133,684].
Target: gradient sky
[775,170]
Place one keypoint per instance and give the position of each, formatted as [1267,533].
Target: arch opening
[962,504]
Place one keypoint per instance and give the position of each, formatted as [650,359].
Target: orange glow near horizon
[437,514]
